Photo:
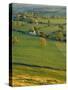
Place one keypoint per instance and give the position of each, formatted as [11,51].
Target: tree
[61,27]
[48,22]
[59,35]
[42,41]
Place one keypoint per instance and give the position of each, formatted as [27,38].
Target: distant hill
[41,9]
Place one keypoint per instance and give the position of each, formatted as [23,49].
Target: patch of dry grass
[29,80]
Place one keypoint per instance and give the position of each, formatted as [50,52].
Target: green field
[19,25]
[29,52]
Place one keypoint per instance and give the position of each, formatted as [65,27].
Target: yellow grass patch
[28,80]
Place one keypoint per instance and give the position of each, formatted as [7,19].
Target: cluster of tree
[57,35]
